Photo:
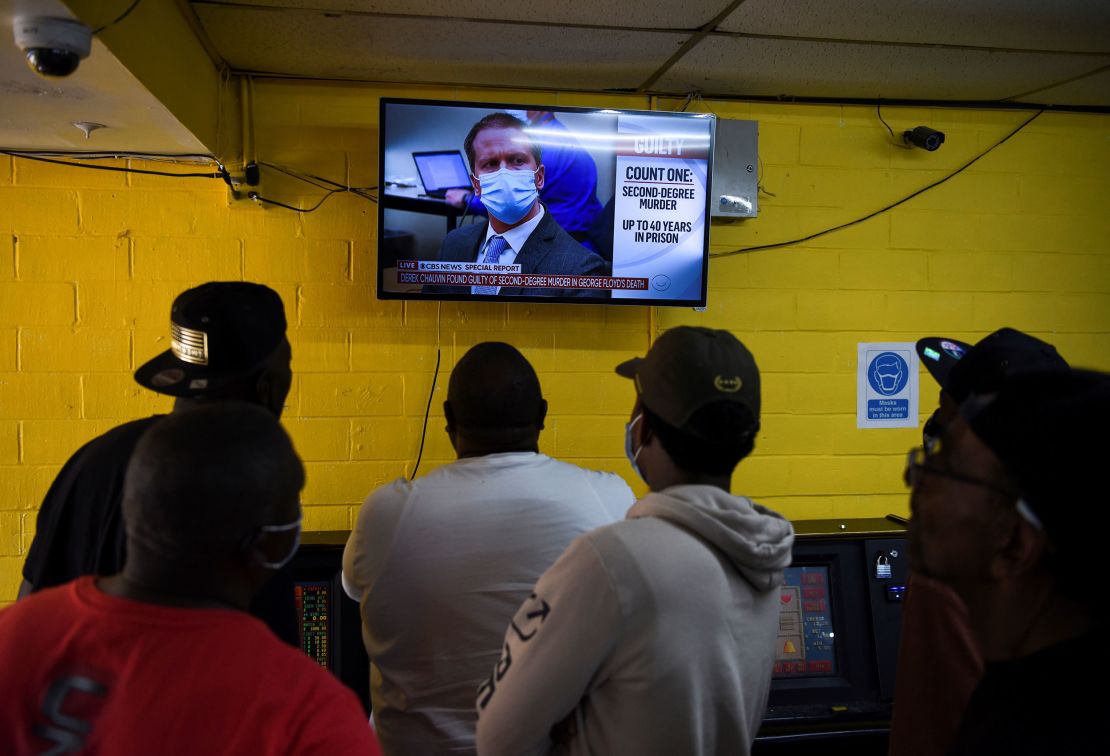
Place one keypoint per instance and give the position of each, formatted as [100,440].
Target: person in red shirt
[164,657]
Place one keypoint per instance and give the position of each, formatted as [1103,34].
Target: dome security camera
[54,46]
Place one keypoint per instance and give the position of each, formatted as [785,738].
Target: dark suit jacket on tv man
[497,146]
[549,251]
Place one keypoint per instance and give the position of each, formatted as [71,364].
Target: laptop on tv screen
[441,170]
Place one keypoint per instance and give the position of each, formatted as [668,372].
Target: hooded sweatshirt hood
[757,541]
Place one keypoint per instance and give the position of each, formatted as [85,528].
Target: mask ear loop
[282,528]
[1028,514]
[631,425]
[295,525]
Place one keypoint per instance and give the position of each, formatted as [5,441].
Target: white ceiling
[1053,52]
[1043,51]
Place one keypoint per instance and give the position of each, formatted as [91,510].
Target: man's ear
[541,415]
[449,415]
[539,178]
[275,379]
[476,184]
[265,393]
[250,550]
[1020,549]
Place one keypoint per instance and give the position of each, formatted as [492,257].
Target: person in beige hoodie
[656,634]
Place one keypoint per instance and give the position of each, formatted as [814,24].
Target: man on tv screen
[507,173]
[569,190]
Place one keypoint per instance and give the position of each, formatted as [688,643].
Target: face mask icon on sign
[887,374]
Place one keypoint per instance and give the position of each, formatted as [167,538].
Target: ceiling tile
[1072,25]
[760,67]
[1091,90]
[433,50]
[620,14]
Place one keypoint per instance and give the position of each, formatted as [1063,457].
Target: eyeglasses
[932,431]
[916,468]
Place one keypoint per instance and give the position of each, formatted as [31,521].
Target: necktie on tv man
[496,246]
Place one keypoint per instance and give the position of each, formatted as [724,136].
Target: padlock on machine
[882,566]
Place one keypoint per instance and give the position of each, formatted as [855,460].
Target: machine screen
[313,620]
[806,644]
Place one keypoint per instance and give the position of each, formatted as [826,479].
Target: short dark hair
[202,481]
[497,121]
[495,394]
[714,440]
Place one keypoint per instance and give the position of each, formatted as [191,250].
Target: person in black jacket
[227,343]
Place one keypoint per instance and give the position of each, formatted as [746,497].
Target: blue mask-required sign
[886,394]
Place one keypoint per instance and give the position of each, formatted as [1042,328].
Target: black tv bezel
[381,294]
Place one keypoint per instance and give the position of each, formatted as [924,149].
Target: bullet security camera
[924,137]
[54,46]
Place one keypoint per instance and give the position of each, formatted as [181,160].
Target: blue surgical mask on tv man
[508,195]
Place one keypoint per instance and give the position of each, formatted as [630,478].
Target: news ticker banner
[425,272]
[659,204]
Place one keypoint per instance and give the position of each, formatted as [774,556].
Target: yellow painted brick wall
[90,261]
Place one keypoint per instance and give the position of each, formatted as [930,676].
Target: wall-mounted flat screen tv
[529,203]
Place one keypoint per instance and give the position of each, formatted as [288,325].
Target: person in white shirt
[440,564]
[656,634]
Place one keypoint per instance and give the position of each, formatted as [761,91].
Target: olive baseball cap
[689,367]
[219,332]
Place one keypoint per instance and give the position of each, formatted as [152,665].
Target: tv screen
[547,204]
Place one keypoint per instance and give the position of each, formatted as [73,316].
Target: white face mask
[628,446]
[292,551]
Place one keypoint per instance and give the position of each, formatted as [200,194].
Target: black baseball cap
[1046,429]
[938,354]
[983,367]
[689,367]
[219,332]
